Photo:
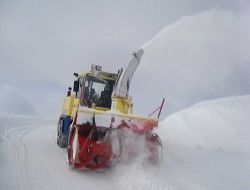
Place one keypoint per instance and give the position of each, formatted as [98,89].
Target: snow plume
[13,102]
[134,146]
[134,170]
[199,57]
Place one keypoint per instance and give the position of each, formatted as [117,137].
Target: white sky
[42,42]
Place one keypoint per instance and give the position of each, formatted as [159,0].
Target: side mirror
[76,86]
[76,74]
[69,91]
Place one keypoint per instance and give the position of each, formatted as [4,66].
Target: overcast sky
[42,42]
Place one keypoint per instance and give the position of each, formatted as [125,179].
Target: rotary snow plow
[98,116]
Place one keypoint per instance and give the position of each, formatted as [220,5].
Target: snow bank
[199,57]
[215,124]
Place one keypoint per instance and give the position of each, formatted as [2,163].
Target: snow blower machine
[98,116]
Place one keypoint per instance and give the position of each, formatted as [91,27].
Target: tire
[62,139]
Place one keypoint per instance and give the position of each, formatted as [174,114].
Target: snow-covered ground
[205,147]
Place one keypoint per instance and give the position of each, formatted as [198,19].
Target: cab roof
[100,74]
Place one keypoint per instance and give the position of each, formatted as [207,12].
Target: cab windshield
[95,91]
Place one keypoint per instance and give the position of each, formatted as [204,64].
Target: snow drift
[198,57]
[216,124]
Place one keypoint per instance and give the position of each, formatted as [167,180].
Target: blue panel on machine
[66,124]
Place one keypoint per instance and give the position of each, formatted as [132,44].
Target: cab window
[97,91]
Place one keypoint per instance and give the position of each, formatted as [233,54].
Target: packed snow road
[202,150]
[30,159]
